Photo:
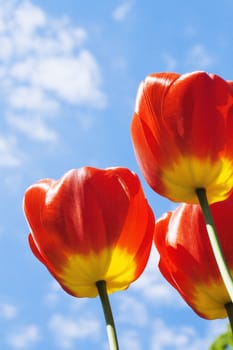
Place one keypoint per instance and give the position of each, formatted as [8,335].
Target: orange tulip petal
[187,260]
[91,224]
[182,135]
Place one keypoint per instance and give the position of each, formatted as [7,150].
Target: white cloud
[167,337]
[153,287]
[130,340]
[129,305]
[24,337]
[27,29]
[32,99]
[66,329]
[8,311]
[53,296]
[214,329]
[86,121]
[2,231]
[74,79]
[56,296]
[43,64]
[170,62]
[190,31]
[179,337]
[199,57]
[120,12]
[28,17]
[196,57]
[35,128]
[10,156]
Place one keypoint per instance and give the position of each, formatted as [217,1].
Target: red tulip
[187,260]
[90,225]
[182,135]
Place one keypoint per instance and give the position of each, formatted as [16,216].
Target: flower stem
[214,241]
[111,330]
[229,309]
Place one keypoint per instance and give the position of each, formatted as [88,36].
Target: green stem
[213,237]
[111,330]
[229,309]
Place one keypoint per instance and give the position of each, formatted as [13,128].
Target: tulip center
[115,266]
[184,176]
[210,299]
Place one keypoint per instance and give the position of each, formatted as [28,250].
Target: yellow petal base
[210,300]
[81,272]
[185,175]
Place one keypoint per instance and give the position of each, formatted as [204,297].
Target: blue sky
[69,72]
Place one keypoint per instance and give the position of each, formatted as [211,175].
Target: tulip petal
[182,135]
[92,224]
[187,260]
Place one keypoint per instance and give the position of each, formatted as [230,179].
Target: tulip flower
[93,230]
[182,135]
[91,225]
[187,260]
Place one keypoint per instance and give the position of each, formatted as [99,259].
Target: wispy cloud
[167,337]
[53,296]
[67,329]
[130,305]
[43,65]
[36,128]
[199,57]
[31,98]
[153,287]
[170,62]
[120,13]
[130,340]
[73,78]
[179,337]
[196,57]
[10,156]
[8,311]
[23,337]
